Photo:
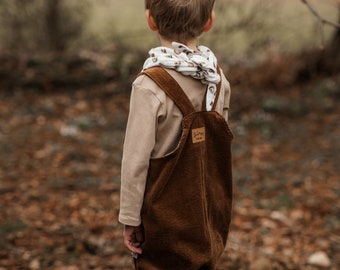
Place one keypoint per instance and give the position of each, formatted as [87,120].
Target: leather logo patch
[198,135]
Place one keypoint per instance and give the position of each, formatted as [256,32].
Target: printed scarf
[200,65]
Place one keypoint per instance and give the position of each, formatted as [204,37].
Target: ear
[150,20]
[209,24]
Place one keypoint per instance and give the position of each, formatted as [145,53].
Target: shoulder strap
[218,88]
[171,87]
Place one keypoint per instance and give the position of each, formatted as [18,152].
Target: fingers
[133,246]
[139,235]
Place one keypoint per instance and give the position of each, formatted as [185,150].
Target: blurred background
[245,30]
[66,69]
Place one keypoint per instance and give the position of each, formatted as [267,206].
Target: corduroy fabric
[187,206]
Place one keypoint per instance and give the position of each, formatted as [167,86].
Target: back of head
[180,20]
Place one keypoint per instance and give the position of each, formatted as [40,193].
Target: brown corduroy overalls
[188,198]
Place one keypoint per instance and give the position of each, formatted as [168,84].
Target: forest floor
[60,152]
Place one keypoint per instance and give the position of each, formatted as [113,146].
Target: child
[176,199]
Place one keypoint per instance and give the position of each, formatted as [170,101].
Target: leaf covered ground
[61,142]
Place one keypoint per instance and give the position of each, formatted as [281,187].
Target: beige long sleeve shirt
[153,130]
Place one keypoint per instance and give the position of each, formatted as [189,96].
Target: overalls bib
[188,198]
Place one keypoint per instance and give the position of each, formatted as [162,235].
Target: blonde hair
[180,20]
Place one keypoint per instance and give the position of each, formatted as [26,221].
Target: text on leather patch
[198,135]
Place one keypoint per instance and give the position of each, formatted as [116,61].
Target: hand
[133,238]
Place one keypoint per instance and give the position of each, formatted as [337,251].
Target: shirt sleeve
[226,101]
[138,145]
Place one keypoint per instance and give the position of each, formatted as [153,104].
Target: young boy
[169,224]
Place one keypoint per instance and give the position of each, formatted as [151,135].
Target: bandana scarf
[200,65]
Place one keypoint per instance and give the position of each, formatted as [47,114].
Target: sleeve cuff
[129,221]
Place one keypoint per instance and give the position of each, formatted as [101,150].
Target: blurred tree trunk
[54,38]
[335,45]
[336,37]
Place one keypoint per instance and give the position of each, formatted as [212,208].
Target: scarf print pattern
[200,65]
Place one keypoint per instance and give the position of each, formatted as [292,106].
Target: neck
[191,44]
